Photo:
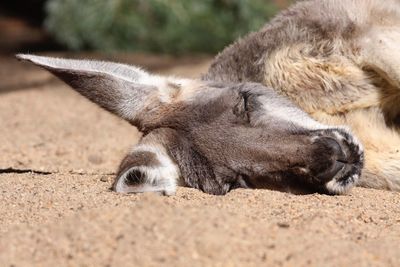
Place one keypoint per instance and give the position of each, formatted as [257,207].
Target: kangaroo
[339,61]
[211,135]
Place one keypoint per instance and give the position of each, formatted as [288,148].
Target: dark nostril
[335,148]
[332,159]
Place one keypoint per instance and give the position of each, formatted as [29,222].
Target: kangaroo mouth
[346,177]
[336,171]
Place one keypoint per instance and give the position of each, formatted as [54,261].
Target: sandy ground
[58,156]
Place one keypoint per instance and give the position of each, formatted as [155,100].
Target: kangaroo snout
[338,160]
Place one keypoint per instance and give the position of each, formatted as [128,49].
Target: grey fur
[339,61]
[311,22]
[221,136]
[112,86]
[214,136]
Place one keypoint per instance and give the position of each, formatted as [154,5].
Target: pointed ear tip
[37,60]
[24,56]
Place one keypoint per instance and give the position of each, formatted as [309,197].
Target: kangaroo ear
[147,168]
[124,90]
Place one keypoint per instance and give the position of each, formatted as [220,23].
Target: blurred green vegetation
[167,26]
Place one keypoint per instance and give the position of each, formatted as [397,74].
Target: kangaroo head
[212,136]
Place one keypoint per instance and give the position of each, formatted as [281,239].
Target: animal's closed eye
[241,109]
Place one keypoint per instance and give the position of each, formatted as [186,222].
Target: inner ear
[134,177]
[127,91]
[147,168]
[132,180]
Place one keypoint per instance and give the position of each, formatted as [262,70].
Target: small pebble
[283,225]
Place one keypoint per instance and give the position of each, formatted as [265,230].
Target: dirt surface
[58,156]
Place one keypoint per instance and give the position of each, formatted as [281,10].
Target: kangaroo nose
[336,161]
[336,149]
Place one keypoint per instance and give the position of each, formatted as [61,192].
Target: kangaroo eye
[241,109]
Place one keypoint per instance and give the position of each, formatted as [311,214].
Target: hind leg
[382,149]
[381,146]
[382,171]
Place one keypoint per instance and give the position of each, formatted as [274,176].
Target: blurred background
[175,27]
[172,37]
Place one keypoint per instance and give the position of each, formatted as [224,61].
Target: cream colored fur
[366,68]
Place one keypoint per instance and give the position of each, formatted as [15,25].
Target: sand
[58,157]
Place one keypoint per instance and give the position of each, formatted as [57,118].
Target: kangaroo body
[338,60]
